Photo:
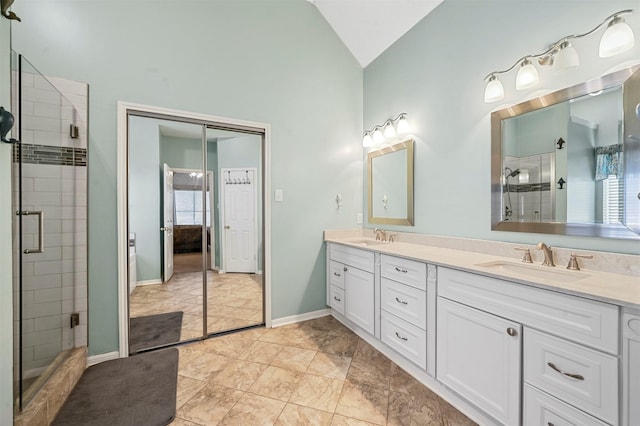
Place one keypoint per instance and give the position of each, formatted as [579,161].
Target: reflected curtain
[608,161]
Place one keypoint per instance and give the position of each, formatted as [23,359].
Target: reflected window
[612,205]
[188,207]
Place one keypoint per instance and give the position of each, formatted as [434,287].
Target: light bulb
[567,57]
[366,140]
[527,75]
[389,131]
[616,39]
[377,136]
[403,125]
[494,90]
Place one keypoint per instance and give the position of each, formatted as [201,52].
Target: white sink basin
[367,242]
[533,271]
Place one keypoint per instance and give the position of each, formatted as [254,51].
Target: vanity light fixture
[527,75]
[494,90]
[391,128]
[617,38]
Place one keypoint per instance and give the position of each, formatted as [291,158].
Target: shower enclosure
[49,226]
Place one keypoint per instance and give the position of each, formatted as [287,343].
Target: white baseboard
[97,359]
[278,322]
[148,282]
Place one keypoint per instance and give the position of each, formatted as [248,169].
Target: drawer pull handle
[400,337]
[550,424]
[404,271]
[345,269]
[512,331]
[573,376]
[337,274]
[337,299]
[402,302]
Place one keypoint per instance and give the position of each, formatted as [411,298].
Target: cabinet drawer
[582,377]
[585,321]
[407,303]
[336,299]
[542,409]
[405,338]
[404,271]
[336,273]
[361,259]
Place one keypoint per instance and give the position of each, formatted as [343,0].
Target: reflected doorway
[196,229]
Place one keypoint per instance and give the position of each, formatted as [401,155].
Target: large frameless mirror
[391,184]
[569,162]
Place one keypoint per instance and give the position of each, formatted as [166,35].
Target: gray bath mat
[139,390]
[154,330]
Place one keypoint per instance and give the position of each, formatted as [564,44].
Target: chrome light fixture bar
[617,38]
[387,130]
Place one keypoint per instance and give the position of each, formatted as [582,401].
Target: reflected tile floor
[233,301]
[315,372]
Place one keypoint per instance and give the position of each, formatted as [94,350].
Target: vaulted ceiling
[369,27]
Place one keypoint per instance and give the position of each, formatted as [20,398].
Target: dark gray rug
[154,330]
[139,390]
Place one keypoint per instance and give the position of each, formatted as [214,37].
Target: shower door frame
[124,110]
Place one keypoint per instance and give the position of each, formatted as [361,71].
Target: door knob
[512,331]
[227,227]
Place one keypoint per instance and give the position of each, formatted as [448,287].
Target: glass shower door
[44,201]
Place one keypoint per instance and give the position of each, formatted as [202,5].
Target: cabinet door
[478,356]
[631,369]
[359,298]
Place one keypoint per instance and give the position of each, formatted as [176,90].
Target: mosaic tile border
[52,155]
[528,187]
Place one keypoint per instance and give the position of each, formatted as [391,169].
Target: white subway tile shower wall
[54,282]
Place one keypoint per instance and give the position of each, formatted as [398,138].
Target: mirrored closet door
[195,227]
[235,295]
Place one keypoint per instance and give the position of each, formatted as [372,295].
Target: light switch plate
[359,218]
[279,195]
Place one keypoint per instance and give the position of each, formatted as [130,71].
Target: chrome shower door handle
[40,215]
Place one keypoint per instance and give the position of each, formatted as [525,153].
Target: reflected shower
[508,173]
[512,173]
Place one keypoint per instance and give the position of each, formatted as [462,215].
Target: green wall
[6,253]
[181,153]
[435,74]
[276,62]
[144,196]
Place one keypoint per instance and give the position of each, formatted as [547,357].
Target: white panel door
[239,199]
[167,225]
[478,356]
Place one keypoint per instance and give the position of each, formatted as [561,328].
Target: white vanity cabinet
[351,290]
[569,349]
[631,367]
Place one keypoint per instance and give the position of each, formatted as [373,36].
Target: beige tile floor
[233,301]
[311,373]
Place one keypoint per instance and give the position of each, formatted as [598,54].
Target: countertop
[623,290]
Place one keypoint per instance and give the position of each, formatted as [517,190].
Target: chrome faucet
[548,254]
[380,234]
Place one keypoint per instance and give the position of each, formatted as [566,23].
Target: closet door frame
[124,110]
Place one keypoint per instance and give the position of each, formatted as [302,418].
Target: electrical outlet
[359,218]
